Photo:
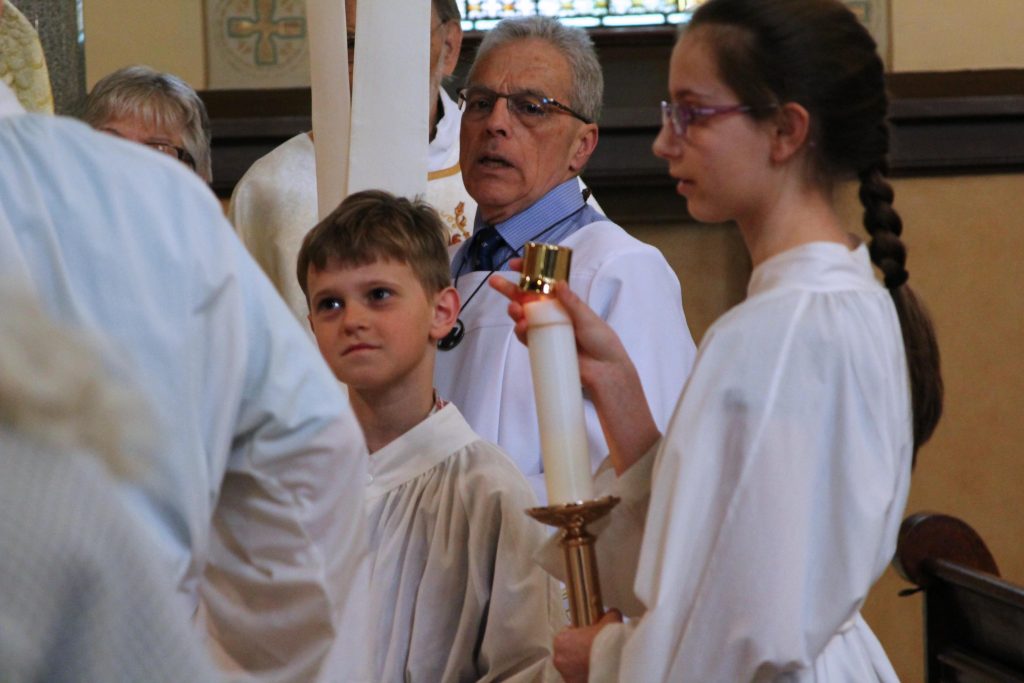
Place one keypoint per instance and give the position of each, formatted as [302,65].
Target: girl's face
[722,161]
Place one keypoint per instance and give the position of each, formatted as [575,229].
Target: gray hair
[587,88]
[447,10]
[160,99]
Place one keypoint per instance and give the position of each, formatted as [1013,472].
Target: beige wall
[927,35]
[165,34]
[950,35]
[966,237]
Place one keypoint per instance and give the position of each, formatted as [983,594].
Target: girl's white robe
[773,502]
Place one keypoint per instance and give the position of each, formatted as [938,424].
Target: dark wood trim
[963,122]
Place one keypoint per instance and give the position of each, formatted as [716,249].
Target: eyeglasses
[530,108]
[179,153]
[680,116]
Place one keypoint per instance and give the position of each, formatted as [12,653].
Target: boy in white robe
[454,592]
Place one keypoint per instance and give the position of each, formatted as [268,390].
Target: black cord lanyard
[455,335]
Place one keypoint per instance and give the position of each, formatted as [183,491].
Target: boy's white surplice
[456,595]
[775,497]
[256,490]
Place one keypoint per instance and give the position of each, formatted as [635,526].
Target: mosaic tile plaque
[256,44]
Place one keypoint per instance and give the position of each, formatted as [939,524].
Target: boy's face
[374,324]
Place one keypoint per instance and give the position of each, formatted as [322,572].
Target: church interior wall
[965,235]
[927,35]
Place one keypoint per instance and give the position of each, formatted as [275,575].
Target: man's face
[508,162]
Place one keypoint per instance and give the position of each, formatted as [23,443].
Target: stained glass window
[481,15]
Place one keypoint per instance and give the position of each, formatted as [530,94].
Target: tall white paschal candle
[556,378]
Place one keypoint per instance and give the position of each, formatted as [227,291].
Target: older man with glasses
[529,126]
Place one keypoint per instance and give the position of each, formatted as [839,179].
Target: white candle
[559,397]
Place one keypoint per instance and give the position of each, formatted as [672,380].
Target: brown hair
[372,226]
[817,54]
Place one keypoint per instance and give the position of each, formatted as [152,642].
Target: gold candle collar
[543,266]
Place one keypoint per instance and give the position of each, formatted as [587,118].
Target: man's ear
[584,145]
[446,312]
[452,45]
[792,127]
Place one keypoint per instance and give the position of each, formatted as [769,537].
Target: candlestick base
[583,585]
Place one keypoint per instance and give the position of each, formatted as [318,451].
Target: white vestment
[82,599]
[456,595]
[629,284]
[274,204]
[255,499]
[774,500]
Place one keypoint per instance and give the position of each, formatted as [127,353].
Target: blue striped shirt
[554,217]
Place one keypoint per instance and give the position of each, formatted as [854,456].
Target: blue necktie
[486,241]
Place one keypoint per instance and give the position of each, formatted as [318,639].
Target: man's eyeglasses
[179,153]
[530,108]
[680,116]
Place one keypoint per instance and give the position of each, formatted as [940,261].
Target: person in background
[156,109]
[529,125]
[274,205]
[773,501]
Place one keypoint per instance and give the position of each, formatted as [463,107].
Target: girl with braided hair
[773,501]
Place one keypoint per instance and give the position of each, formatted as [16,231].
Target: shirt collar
[547,212]
[9,104]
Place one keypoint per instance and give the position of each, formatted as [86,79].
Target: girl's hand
[606,372]
[572,648]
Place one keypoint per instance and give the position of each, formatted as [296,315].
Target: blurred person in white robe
[529,127]
[455,593]
[274,204]
[83,598]
[749,535]
[253,494]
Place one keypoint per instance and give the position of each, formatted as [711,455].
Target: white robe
[455,593]
[274,204]
[629,284]
[774,500]
[75,607]
[256,491]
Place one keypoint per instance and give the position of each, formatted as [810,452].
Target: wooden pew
[974,620]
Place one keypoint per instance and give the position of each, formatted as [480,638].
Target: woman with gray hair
[156,109]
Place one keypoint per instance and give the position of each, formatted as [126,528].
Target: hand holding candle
[607,373]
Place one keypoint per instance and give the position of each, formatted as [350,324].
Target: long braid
[884,225]
[888,252]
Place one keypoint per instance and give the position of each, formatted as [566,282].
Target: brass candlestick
[582,583]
